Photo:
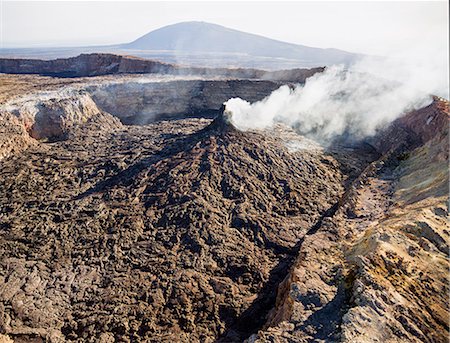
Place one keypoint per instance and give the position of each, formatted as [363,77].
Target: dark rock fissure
[254,318]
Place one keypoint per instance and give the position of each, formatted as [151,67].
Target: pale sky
[379,27]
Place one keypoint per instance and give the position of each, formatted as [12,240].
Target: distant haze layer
[369,27]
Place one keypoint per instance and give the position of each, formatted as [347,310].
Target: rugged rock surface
[190,230]
[14,138]
[377,270]
[180,229]
[83,65]
[54,117]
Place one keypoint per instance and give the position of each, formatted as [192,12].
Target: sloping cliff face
[84,65]
[377,269]
[48,117]
[52,116]
[104,64]
[414,129]
[142,103]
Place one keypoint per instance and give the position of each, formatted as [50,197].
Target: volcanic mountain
[206,38]
[197,44]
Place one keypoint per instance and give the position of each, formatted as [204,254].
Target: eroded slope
[377,270]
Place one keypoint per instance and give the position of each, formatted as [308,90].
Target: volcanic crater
[132,210]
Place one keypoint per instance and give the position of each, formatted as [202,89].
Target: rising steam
[354,101]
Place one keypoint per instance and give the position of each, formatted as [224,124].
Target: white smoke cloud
[357,100]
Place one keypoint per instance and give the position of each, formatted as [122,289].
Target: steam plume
[355,101]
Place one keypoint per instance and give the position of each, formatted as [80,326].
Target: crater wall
[142,103]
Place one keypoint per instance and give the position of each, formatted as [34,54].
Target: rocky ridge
[96,64]
[376,270]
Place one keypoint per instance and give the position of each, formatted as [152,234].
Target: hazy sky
[369,27]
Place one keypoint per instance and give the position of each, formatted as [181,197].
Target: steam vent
[223,121]
[132,210]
